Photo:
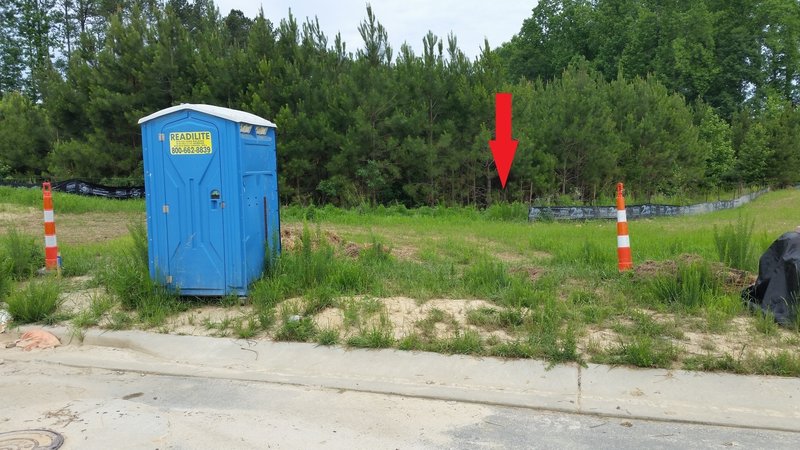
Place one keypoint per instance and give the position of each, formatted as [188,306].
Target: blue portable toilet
[211,189]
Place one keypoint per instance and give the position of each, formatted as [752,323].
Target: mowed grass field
[453,280]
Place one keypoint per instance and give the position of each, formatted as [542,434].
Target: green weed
[23,254]
[372,337]
[734,244]
[427,326]
[266,293]
[466,342]
[376,253]
[765,323]
[492,318]
[430,279]
[230,301]
[77,261]
[222,326]
[127,277]
[154,309]
[719,310]
[356,310]
[645,325]
[641,351]
[412,342]
[245,328]
[84,319]
[318,300]
[371,306]
[693,286]
[486,279]
[563,349]
[314,266]
[783,363]
[598,256]
[352,314]
[710,363]
[507,212]
[120,320]
[6,282]
[37,302]
[295,327]
[515,349]
[266,317]
[98,307]
[328,336]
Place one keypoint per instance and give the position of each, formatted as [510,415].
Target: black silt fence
[86,188]
[635,211]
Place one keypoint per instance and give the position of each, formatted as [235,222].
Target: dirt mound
[533,273]
[734,278]
[291,238]
[352,250]
[668,267]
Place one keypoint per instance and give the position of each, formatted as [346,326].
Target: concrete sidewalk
[665,395]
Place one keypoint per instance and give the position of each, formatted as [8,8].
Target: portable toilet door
[194,196]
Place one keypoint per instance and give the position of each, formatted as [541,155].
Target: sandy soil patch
[405,314]
[208,320]
[80,300]
[70,228]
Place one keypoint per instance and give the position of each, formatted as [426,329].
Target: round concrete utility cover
[30,440]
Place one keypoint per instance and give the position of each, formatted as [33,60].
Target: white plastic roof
[226,113]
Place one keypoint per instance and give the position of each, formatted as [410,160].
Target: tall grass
[69,203]
[314,267]
[486,279]
[37,302]
[693,286]
[6,282]
[734,244]
[23,254]
[127,277]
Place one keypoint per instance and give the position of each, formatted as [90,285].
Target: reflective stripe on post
[623,240]
[51,257]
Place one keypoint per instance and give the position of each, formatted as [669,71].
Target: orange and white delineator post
[52,259]
[623,240]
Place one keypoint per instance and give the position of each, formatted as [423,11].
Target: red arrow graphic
[503,147]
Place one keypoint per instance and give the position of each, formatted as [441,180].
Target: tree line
[669,97]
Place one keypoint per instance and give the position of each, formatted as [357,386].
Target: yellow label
[190,143]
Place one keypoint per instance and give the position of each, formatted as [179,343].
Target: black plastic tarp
[778,285]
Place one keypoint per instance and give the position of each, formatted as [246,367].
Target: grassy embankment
[378,277]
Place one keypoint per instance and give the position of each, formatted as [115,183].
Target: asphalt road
[104,409]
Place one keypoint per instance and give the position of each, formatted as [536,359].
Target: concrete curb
[676,396]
